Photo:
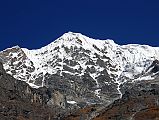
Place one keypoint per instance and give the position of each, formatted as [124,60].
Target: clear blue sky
[35,23]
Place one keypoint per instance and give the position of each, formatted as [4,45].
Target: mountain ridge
[100,67]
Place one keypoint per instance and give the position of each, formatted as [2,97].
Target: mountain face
[85,70]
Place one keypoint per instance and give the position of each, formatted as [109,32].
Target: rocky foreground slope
[140,102]
[75,71]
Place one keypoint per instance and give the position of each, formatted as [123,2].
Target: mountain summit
[85,69]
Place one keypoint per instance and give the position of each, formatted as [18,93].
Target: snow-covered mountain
[78,64]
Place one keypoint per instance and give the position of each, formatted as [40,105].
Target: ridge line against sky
[36,23]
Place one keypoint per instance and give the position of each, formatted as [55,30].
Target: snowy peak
[70,35]
[78,40]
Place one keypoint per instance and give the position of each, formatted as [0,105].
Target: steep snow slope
[103,62]
[130,59]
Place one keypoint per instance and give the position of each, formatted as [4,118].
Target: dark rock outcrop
[18,101]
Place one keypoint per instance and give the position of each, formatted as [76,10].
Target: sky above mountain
[36,23]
